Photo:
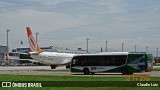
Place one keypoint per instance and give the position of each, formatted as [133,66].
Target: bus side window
[74,61]
[120,60]
[132,60]
[142,59]
[102,61]
[107,60]
[85,62]
[91,61]
[110,61]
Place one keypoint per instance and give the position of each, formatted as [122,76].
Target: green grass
[57,78]
[70,78]
[63,78]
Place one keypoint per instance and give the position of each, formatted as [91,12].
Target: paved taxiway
[45,70]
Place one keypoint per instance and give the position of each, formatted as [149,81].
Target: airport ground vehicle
[114,62]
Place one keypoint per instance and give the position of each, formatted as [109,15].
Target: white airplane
[53,58]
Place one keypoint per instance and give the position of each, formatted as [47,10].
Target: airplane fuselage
[52,57]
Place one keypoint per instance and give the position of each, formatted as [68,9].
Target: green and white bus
[114,62]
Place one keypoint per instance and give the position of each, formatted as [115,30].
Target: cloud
[69,22]
[41,22]
[65,6]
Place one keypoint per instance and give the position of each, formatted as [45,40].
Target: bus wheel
[86,71]
[124,71]
[131,73]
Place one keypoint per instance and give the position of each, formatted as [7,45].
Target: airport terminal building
[52,49]
[3,49]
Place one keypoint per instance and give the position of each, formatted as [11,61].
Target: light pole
[7,46]
[37,37]
[146,48]
[122,46]
[157,55]
[7,39]
[135,47]
[87,44]
[106,45]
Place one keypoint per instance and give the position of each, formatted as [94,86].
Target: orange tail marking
[33,45]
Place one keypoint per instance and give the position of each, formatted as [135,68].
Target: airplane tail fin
[33,45]
[7,57]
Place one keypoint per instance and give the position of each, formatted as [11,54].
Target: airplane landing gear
[53,66]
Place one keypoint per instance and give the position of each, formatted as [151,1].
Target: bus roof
[104,53]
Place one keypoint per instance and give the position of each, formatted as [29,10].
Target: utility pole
[157,55]
[106,45]
[7,39]
[146,48]
[135,48]
[122,46]
[37,37]
[87,44]
[7,46]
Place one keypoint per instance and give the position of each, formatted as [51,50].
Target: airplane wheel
[53,67]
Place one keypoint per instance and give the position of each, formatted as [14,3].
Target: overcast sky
[67,23]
